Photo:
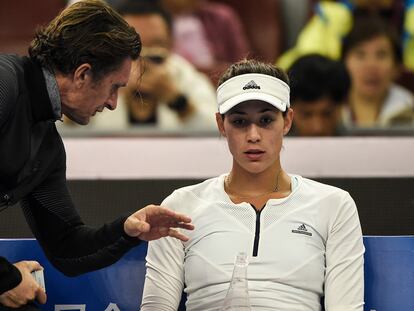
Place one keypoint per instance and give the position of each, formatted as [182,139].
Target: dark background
[385,205]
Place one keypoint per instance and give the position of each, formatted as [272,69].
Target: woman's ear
[220,124]
[288,121]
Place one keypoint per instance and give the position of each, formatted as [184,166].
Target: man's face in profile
[89,95]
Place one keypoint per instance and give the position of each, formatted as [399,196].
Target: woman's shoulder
[313,186]
[203,190]
[399,96]
[330,199]
[398,107]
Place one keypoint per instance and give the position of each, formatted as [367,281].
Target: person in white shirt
[164,91]
[373,57]
[303,238]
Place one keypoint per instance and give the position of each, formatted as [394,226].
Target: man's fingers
[185,226]
[168,222]
[170,213]
[182,218]
[33,265]
[163,231]
[41,296]
[30,265]
[154,221]
[176,224]
[178,235]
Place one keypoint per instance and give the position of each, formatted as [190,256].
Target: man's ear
[220,124]
[82,74]
[288,121]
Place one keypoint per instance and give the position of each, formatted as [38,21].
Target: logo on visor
[251,85]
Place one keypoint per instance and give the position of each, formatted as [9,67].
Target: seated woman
[303,238]
[372,55]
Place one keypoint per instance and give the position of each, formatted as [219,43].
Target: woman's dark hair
[313,77]
[88,31]
[253,66]
[369,27]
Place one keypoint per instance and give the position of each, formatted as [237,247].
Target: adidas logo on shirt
[251,85]
[302,230]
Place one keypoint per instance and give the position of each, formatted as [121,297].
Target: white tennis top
[302,247]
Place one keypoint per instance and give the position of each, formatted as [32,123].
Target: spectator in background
[209,35]
[332,21]
[318,88]
[164,90]
[372,55]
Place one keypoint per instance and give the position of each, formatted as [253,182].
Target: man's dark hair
[88,31]
[314,77]
[369,27]
[144,7]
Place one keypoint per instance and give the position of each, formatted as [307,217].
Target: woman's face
[372,67]
[254,132]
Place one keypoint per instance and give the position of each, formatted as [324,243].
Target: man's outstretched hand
[153,222]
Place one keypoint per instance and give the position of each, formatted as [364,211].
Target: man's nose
[111,103]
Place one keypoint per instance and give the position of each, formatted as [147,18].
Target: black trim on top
[257,230]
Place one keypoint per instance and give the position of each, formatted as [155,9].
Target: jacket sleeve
[8,89]
[10,276]
[71,246]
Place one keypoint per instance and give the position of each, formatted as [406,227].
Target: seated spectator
[209,35]
[372,55]
[164,90]
[318,89]
[332,21]
[303,238]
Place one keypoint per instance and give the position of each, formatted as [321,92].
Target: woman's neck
[257,188]
[365,110]
[254,183]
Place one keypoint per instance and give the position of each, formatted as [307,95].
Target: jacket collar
[39,97]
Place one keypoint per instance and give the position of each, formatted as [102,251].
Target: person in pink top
[209,35]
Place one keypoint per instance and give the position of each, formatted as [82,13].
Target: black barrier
[385,205]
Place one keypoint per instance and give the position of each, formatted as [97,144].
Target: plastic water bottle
[237,297]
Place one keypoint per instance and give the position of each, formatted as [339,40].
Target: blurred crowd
[350,63]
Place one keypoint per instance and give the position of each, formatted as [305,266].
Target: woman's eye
[239,121]
[266,121]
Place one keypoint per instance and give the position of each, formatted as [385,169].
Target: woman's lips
[254,154]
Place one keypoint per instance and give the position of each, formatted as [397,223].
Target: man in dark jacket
[76,66]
